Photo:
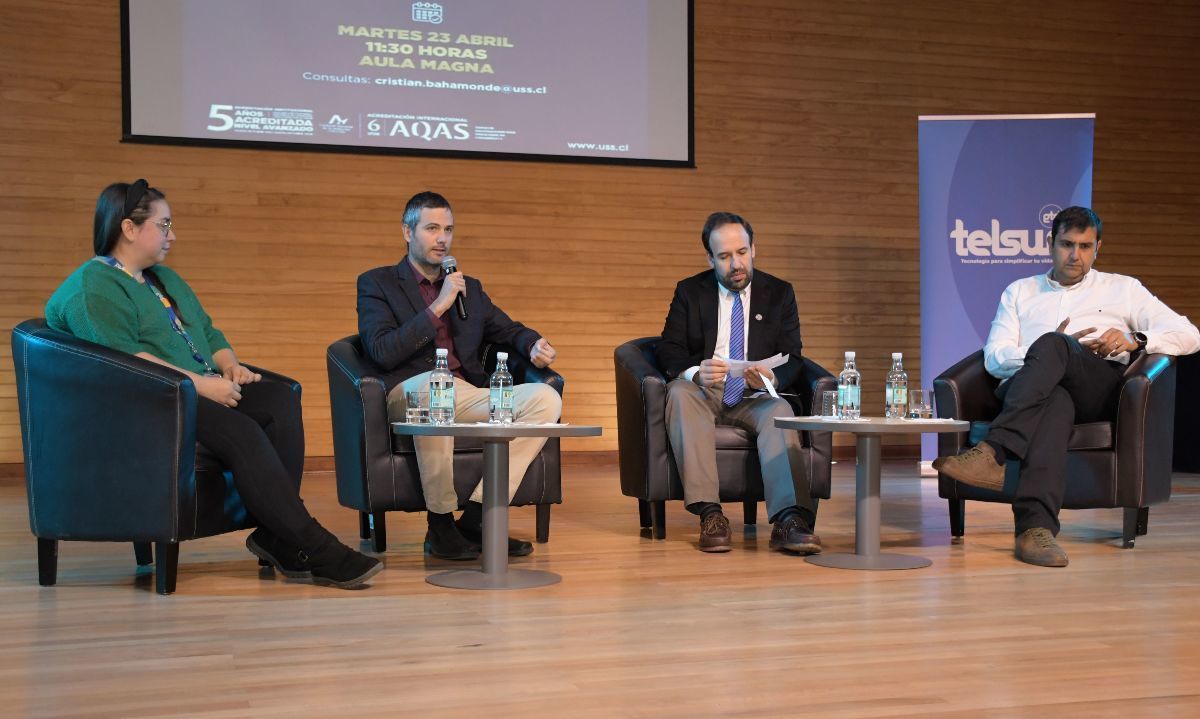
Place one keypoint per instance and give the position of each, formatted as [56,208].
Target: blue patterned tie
[734,386]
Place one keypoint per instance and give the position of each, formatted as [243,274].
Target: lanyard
[171,315]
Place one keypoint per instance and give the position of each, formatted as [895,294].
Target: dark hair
[118,202]
[1075,218]
[122,201]
[719,219]
[421,201]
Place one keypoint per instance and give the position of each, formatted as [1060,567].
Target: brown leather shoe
[789,535]
[714,533]
[1037,546]
[976,467]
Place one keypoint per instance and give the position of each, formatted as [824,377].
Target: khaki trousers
[534,403]
[692,415]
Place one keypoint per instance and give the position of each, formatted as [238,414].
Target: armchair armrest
[641,418]
[109,440]
[1144,431]
[362,438]
[964,391]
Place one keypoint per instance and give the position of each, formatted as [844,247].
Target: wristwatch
[1140,338]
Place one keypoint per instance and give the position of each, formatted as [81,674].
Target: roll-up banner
[990,186]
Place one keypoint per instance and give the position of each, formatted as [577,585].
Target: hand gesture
[542,354]
[453,285]
[240,374]
[754,380]
[712,373]
[1062,327]
[219,390]
[1112,342]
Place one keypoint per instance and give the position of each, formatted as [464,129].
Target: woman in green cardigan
[124,298]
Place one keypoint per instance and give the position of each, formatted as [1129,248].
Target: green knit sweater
[102,304]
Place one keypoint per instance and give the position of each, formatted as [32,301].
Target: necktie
[734,386]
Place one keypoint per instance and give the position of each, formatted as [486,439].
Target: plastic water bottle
[500,400]
[895,393]
[441,390]
[849,390]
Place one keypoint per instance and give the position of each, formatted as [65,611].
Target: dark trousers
[1061,384]
[262,442]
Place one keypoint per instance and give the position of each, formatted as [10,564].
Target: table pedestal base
[477,579]
[838,560]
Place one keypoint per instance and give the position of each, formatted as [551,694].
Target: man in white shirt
[735,313]
[1060,343]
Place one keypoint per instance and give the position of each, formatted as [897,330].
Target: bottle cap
[502,356]
[897,355]
[443,352]
[850,355]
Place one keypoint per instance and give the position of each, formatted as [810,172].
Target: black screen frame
[127,134]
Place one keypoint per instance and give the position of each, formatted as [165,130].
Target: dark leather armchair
[1126,463]
[111,453]
[377,470]
[648,470]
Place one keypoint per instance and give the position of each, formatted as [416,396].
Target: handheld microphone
[450,265]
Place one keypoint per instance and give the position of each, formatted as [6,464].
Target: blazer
[398,334]
[690,332]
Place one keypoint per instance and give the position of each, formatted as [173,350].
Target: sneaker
[792,536]
[976,467]
[286,559]
[714,533]
[1037,546]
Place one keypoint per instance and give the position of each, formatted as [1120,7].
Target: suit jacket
[398,334]
[690,333]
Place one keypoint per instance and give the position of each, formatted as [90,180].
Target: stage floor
[637,628]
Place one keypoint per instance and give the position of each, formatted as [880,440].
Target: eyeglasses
[164,225]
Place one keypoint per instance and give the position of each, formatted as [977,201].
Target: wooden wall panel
[805,123]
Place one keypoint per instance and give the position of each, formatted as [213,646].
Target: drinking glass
[416,407]
[920,404]
[829,408]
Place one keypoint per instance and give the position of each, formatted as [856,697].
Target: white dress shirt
[724,317]
[1033,306]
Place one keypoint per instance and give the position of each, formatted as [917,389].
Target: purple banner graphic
[989,189]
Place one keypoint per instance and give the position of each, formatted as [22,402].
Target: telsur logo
[1047,214]
[430,12]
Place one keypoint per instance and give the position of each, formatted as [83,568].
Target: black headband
[134,195]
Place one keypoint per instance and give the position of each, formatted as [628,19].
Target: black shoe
[516,547]
[445,542]
[286,559]
[333,564]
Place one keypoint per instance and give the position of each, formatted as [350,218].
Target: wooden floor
[637,628]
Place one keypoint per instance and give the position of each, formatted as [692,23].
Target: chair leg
[1137,520]
[378,532]
[166,566]
[644,514]
[364,525]
[958,517]
[143,552]
[543,523]
[659,512]
[750,512]
[47,562]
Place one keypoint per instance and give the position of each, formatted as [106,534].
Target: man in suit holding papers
[1060,344]
[728,317]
